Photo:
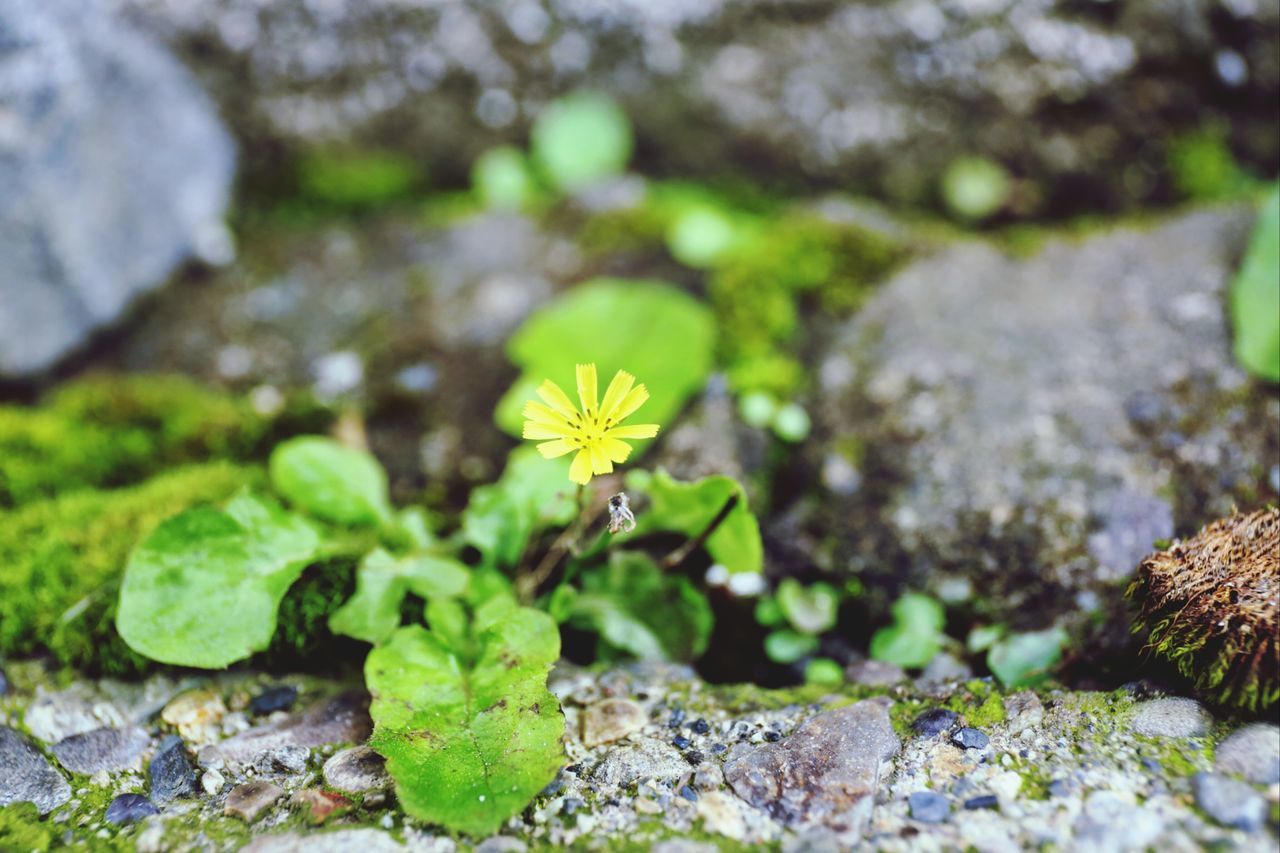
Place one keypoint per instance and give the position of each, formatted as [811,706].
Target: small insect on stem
[621,519]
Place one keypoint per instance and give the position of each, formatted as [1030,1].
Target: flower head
[593,432]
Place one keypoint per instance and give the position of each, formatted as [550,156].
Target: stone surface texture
[94,212]
[26,776]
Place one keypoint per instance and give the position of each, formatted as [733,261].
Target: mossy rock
[61,561]
[22,829]
[108,431]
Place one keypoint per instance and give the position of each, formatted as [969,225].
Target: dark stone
[26,776]
[772,737]
[571,805]
[985,801]
[694,757]
[92,105]
[129,808]
[825,774]
[341,719]
[677,719]
[681,742]
[700,726]
[688,793]
[278,698]
[101,749]
[4,684]
[172,773]
[970,738]
[719,748]
[1060,788]
[934,722]
[929,806]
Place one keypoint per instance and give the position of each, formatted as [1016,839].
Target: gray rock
[113,169]
[970,738]
[648,759]
[1111,821]
[826,773]
[865,93]
[501,844]
[934,722]
[289,758]
[1171,716]
[249,800]
[342,841]
[26,776]
[357,770]
[341,719]
[171,772]
[945,667]
[611,719]
[1252,752]
[989,393]
[1229,801]
[874,673]
[929,806]
[101,749]
[53,717]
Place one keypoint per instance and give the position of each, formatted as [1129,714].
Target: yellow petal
[633,431]
[557,399]
[635,399]
[554,449]
[540,432]
[600,463]
[618,451]
[618,388]
[538,413]
[580,470]
[587,387]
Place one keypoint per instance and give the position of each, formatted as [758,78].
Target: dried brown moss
[1209,605]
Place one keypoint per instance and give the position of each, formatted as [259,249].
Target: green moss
[113,431]
[980,702]
[61,561]
[21,829]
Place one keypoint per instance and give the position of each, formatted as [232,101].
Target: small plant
[1255,295]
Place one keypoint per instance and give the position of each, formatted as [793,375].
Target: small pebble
[986,801]
[1060,788]
[571,805]
[1171,716]
[4,684]
[929,806]
[1229,801]
[129,808]
[718,748]
[677,719]
[700,726]
[171,773]
[688,793]
[249,800]
[970,738]
[1252,752]
[278,698]
[681,742]
[934,722]
[694,757]
[772,736]
[212,782]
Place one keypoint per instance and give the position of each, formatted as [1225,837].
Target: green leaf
[700,236]
[637,608]
[811,609]
[501,179]
[786,646]
[331,482]
[533,494]
[983,637]
[768,612]
[580,139]
[662,335]
[203,589]
[823,671]
[974,187]
[1255,295]
[382,582]
[915,635]
[1025,660]
[689,507]
[470,735]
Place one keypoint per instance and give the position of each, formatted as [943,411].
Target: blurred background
[967,261]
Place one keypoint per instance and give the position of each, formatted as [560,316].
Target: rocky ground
[656,759]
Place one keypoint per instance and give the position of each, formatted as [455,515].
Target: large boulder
[1080,98]
[1030,426]
[113,169]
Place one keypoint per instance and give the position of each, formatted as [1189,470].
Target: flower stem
[682,553]
[527,584]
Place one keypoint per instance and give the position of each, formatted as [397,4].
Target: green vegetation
[689,508]
[974,188]
[1024,660]
[1203,167]
[915,635]
[104,432]
[356,179]
[652,330]
[1255,295]
[22,829]
[331,482]
[581,138]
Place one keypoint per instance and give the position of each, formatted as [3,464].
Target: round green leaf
[1024,660]
[329,481]
[811,609]
[789,646]
[580,139]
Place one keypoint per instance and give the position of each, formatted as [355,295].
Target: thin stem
[565,543]
[682,553]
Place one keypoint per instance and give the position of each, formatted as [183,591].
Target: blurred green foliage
[1203,167]
[915,635]
[661,335]
[1025,660]
[581,138]
[974,188]
[112,431]
[503,180]
[1255,295]
[357,179]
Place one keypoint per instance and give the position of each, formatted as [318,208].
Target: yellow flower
[593,432]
